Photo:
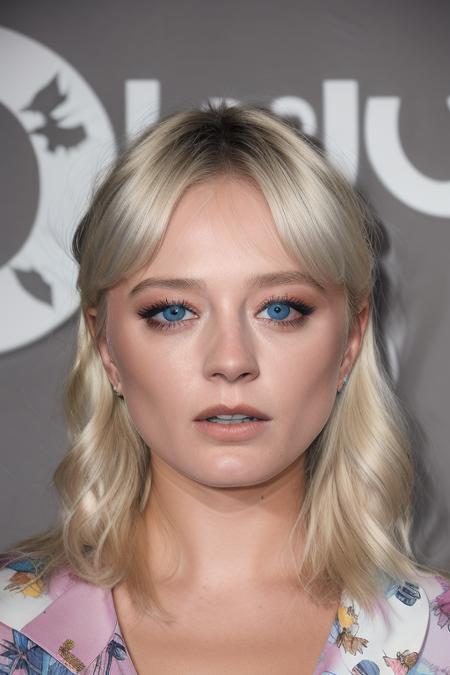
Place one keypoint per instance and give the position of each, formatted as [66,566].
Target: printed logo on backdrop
[71,137]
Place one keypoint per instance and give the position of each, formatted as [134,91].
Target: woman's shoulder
[23,595]
[66,618]
[420,611]
[435,653]
[407,631]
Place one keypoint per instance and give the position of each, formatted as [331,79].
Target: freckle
[262,497]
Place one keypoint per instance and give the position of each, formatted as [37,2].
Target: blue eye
[173,312]
[280,310]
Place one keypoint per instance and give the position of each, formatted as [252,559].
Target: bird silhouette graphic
[45,101]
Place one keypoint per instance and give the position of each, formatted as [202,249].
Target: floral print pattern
[20,653]
[409,635]
[441,605]
[25,578]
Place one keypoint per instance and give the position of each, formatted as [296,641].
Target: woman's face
[226,341]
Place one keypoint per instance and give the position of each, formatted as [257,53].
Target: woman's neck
[220,538]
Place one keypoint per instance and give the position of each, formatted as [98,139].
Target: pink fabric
[79,632]
[84,614]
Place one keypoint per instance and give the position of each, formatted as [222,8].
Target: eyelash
[150,310]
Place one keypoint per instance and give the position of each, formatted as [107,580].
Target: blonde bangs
[307,198]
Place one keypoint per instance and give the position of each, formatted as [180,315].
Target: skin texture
[229,504]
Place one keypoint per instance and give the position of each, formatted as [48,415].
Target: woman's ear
[354,341]
[104,349]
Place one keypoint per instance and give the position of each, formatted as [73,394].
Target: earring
[344,382]
[117,392]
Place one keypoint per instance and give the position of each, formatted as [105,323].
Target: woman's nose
[230,351]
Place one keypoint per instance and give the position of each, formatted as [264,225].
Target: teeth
[237,416]
[229,419]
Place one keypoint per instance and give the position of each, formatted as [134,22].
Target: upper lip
[221,409]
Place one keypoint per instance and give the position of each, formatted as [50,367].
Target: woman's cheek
[316,380]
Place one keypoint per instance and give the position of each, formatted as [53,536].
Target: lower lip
[241,431]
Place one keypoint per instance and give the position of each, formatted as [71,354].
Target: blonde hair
[356,516]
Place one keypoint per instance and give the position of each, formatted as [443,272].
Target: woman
[237,494]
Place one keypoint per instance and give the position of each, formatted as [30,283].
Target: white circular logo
[72,138]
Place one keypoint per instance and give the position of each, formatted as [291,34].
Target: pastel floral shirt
[72,627]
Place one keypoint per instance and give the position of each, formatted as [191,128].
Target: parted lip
[221,409]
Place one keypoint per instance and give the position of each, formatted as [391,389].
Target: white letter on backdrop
[142,104]
[341,125]
[393,167]
[293,106]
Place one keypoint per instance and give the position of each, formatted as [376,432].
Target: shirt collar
[79,620]
[77,624]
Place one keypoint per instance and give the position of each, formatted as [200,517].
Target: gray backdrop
[371,80]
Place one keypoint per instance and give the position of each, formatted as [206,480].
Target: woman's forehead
[224,223]
[222,231]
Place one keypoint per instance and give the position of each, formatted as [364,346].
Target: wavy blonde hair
[356,516]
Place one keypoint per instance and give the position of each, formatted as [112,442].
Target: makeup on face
[226,352]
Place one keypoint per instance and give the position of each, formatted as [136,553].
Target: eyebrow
[254,282]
